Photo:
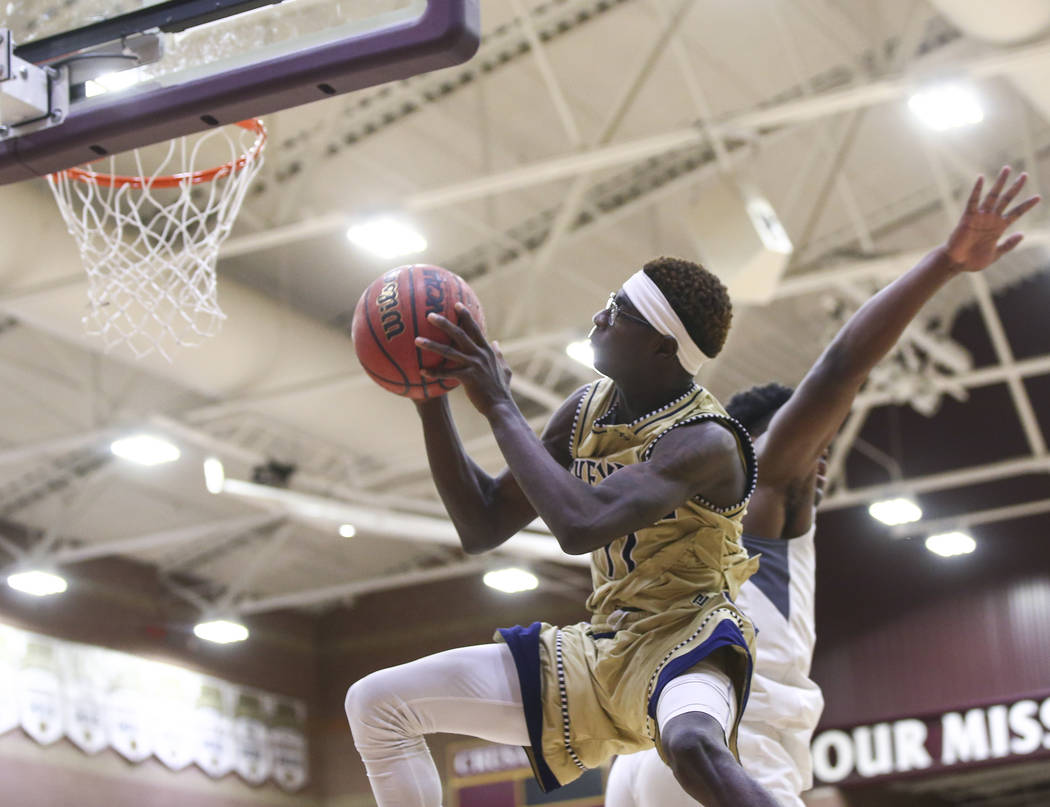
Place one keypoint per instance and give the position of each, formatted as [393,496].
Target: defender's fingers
[997,189]
[975,195]
[1010,194]
[1008,244]
[1022,208]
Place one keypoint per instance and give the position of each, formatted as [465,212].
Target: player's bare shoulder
[557,434]
[709,454]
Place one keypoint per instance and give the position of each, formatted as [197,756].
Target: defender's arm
[806,424]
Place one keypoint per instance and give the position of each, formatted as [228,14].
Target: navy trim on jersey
[628,547]
[773,577]
[524,644]
[725,634]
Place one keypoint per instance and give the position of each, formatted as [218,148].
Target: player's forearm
[571,508]
[465,489]
[875,328]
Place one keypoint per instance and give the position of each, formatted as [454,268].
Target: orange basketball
[393,311]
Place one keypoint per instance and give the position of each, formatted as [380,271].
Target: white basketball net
[149,243]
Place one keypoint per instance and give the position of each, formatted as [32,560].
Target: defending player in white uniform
[791,434]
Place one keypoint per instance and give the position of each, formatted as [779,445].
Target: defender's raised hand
[975,243]
[481,369]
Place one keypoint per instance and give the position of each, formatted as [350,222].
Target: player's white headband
[646,296]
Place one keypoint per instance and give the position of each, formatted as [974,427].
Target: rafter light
[946,106]
[37,582]
[221,631]
[949,544]
[214,475]
[895,511]
[387,237]
[511,580]
[581,351]
[145,449]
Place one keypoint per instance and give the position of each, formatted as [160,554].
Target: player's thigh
[468,690]
[644,780]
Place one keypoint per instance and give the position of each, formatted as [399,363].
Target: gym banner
[493,775]
[1007,731]
[98,698]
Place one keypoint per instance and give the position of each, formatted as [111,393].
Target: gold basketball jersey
[697,547]
[662,602]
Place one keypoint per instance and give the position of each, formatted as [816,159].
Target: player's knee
[368,703]
[695,747]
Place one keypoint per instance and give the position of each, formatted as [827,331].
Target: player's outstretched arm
[485,510]
[701,458]
[806,424]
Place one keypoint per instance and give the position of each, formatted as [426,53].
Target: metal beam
[258,560]
[554,90]
[326,513]
[949,479]
[791,112]
[982,377]
[883,268]
[1019,395]
[315,596]
[56,445]
[154,540]
[972,519]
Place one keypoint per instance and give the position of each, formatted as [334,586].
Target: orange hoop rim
[175,180]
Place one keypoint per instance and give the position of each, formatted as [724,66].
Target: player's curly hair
[699,299]
[754,405]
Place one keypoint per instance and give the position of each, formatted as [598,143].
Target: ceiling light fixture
[221,631]
[947,106]
[949,544]
[895,511]
[347,530]
[582,352]
[214,475]
[37,582]
[386,237]
[145,449]
[511,580]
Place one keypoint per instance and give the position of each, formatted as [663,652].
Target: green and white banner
[100,698]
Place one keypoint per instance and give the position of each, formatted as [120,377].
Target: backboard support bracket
[31,97]
[446,33]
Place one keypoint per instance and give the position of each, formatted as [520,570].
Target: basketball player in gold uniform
[645,471]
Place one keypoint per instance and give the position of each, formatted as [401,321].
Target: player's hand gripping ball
[393,312]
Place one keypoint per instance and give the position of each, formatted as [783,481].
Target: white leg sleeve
[705,688]
[470,690]
[621,789]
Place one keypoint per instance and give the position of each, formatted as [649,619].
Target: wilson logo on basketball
[435,291]
[389,314]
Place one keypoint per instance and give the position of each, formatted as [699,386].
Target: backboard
[81,79]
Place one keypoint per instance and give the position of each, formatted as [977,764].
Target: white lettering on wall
[827,744]
[1044,718]
[909,742]
[874,749]
[999,731]
[1025,726]
[965,738]
[992,732]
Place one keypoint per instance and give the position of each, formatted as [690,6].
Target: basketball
[393,311]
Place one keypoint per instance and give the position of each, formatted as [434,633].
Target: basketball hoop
[149,240]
